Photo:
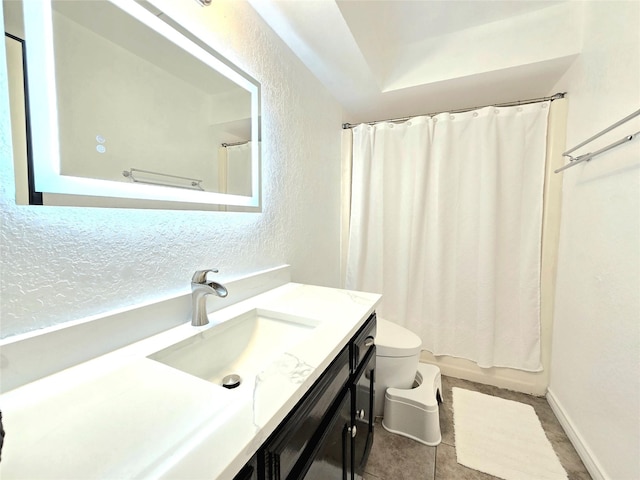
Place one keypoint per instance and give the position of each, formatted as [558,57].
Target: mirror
[125,110]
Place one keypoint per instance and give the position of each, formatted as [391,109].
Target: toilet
[407,392]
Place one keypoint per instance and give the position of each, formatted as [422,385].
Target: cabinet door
[333,458]
[291,447]
[363,398]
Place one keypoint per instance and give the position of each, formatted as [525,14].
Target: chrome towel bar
[588,156]
[155,178]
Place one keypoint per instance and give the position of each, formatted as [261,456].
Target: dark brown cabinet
[328,434]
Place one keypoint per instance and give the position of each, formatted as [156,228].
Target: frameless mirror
[124,110]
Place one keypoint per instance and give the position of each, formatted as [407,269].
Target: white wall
[595,369]
[59,264]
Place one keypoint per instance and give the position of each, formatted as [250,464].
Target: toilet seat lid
[392,340]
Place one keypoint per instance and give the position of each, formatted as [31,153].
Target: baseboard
[576,439]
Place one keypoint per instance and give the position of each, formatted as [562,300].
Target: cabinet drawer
[363,341]
[297,431]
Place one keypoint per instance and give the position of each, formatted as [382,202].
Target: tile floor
[394,457]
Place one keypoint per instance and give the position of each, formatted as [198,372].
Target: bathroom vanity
[147,410]
[329,433]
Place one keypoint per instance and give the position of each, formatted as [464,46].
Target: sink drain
[231,381]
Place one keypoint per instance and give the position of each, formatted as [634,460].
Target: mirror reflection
[138,108]
[129,99]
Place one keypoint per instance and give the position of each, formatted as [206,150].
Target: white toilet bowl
[397,355]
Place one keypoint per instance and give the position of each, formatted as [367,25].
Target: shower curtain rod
[556,96]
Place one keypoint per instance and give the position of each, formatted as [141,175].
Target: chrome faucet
[200,288]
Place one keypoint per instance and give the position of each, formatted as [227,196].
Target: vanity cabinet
[328,434]
[309,428]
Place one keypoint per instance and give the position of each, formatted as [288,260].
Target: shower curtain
[234,169]
[445,222]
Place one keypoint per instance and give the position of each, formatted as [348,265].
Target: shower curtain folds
[446,218]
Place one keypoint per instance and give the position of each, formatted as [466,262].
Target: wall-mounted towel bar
[588,156]
[154,178]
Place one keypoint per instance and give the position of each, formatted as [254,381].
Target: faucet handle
[201,275]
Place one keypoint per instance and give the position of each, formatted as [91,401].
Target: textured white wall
[62,264]
[595,370]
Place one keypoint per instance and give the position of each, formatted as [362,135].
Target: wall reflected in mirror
[134,107]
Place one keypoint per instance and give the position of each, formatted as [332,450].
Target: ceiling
[395,58]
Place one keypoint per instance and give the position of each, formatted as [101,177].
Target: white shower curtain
[446,218]
[234,169]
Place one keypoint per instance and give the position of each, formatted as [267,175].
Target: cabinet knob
[361,413]
[353,430]
[368,342]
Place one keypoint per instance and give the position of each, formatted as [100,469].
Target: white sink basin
[244,346]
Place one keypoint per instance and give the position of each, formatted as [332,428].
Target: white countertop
[123,415]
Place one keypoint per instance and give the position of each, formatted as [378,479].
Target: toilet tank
[397,356]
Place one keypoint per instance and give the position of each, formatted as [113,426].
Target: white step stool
[413,412]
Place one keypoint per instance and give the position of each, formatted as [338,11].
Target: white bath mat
[502,438]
